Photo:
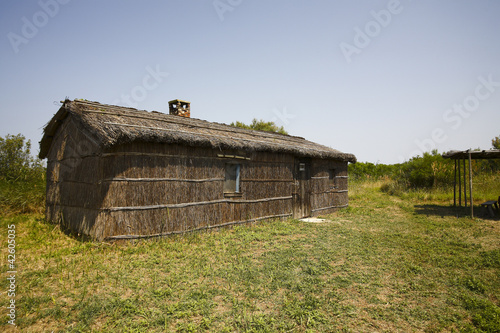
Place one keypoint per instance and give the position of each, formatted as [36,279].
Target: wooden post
[455,186]
[459,186]
[470,185]
[465,185]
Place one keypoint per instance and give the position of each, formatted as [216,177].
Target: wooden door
[301,195]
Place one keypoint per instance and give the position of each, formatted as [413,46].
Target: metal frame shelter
[460,158]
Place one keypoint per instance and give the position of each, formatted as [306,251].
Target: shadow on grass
[66,231]
[81,238]
[445,210]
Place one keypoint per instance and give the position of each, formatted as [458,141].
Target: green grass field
[385,264]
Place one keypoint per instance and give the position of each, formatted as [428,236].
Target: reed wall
[73,173]
[327,194]
[167,188]
[150,189]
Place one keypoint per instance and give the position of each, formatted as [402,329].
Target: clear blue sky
[384,80]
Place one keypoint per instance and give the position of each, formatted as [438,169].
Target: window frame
[332,178]
[236,189]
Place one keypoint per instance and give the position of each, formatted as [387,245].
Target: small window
[232,179]
[332,174]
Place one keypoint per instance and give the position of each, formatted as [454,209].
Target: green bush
[423,173]
[369,171]
[16,162]
[429,171]
[261,125]
[22,177]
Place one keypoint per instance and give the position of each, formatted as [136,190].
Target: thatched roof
[114,125]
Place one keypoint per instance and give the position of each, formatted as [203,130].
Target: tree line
[422,172]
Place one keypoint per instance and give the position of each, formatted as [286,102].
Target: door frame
[301,195]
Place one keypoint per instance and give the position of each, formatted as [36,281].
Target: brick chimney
[180,108]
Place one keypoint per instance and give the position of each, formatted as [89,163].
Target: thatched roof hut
[107,163]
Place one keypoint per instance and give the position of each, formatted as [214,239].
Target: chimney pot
[180,108]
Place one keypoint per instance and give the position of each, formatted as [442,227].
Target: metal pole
[470,185]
